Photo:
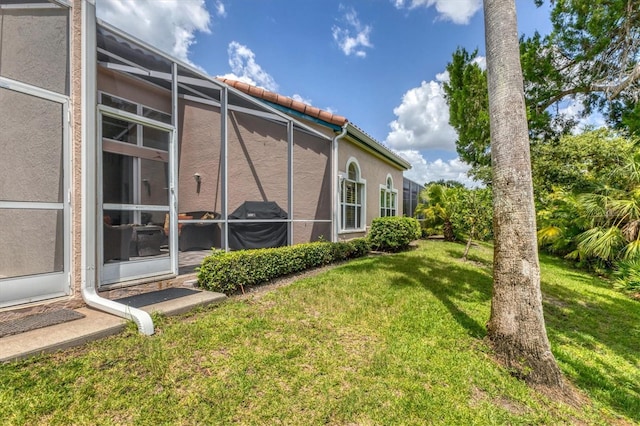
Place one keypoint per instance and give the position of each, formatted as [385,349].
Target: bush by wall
[393,233]
[227,271]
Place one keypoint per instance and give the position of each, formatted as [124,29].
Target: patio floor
[188,261]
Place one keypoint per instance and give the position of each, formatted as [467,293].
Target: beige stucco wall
[134,90]
[34,47]
[199,152]
[375,171]
[38,48]
[257,161]
[311,177]
[31,169]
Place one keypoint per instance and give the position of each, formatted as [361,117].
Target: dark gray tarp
[258,235]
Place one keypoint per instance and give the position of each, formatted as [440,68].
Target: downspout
[335,190]
[88,184]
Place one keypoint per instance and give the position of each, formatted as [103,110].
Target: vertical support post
[224,112]
[334,189]
[290,183]
[173,172]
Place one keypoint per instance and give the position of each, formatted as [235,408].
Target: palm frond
[603,243]
[549,234]
[625,209]
[631,250]
[574,255]
[594,205]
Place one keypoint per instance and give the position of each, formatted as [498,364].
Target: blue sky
[380,63]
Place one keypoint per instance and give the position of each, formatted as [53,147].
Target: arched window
[388,198]
[352,192]
[354,172]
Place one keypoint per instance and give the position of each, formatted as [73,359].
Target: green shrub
[361,247]
[627,275]
[228,271]
[393,233]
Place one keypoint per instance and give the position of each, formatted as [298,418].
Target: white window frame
[388,189]
[361,198]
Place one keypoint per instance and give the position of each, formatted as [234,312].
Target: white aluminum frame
[32,288]
[139,268]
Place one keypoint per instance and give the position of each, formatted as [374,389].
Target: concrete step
[95,325]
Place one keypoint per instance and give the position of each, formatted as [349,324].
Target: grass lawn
[383,340]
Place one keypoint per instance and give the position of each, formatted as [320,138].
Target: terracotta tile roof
[286,102]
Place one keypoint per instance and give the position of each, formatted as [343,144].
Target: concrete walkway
[95,325]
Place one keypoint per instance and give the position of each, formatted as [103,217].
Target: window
[352,199]
[388,199]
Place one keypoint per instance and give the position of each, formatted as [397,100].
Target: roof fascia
[303,116]
[356,135]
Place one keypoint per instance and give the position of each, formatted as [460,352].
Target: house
[119,161]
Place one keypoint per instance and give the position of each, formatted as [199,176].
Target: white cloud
[575,109]
[423,119]
[220,9]
[244,68]
[423,171]
[299,98]
[352,37]
[458,11]
[170,25]
[481,61]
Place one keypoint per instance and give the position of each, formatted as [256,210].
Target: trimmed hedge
[227,271]
[393,233]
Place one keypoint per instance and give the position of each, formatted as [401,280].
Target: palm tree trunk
[447,231]
[516,329]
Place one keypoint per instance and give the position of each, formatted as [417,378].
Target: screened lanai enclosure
[122,162]
[178,152]
[122,165]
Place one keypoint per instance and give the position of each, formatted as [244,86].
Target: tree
[592,52]
[516,328]
[446,182]
[438,207]
[474,216]
[466,94]
[578,163]
[600,227]
[591,57]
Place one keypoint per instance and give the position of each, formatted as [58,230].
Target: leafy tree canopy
[579,163]
[466,93]
[591,56]
[592,52]
[446,183]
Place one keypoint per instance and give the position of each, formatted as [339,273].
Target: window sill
[352,231]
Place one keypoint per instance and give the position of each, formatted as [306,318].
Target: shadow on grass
[587,319]
[580,312]
[453,284]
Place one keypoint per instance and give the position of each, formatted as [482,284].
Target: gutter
[377,148]
[88,180]
[335,190]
